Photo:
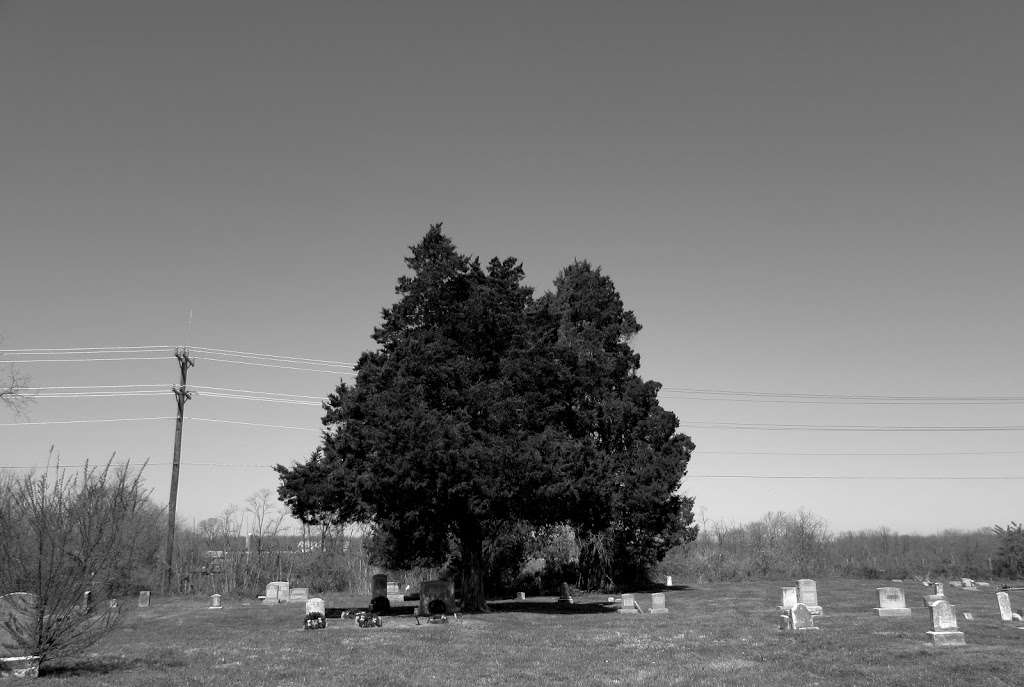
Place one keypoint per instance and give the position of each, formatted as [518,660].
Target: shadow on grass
[551,608]
[103,665]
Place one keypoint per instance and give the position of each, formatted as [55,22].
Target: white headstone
[316,605]
[658,603]
[807,594]
[144,599]
[944,630]
[668,580]
[789,598]
[629,604]
[215,601]
[520,596]
[1005,611]
[891,602]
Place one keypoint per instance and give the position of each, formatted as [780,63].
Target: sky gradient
[793,197]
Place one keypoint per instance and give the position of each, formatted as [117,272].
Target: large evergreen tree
[483,410]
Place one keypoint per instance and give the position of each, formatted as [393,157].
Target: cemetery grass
[716,634]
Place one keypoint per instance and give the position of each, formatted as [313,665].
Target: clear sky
[818,198]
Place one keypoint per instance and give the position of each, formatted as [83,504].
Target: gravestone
[789,599]
[668,580]
[144,599]
[394,593]
[378,586]
[937,589]
[87,604]
[437,590]
[802,618]
[891,602]
[277,592]
[520,596]
[18,615]
[1005,611]
[944,630]
[931,599]
[316,614]
[967,583]
[565,598]
[807,594]
[629,604]
[298,594]
[215,601]
[658,603]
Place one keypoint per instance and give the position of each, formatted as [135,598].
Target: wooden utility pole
[181,394]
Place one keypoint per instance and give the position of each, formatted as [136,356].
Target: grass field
[720,634]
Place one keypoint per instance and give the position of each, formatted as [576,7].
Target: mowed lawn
[717,634]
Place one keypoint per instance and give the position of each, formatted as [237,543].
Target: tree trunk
[474,599]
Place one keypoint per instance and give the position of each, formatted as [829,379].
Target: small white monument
[891,603]
[944,630]
[629,604]
[215,601]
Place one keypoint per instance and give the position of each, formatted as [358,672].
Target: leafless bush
[64,535]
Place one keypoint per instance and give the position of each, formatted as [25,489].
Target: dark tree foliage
[1009,558]
[484,412]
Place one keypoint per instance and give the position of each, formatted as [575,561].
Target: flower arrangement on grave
[368,619]
[315,620]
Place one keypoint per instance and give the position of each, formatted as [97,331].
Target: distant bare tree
[13,391]
[266,518]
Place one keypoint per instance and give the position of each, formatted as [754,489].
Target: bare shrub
[70,534]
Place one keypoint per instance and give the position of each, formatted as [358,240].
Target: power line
[951,478]
[252,391]
[280,367]
[94,386]
[849,428]
[858,453]
[845,397]
[48,351]
[251,424]
[83,360]
[238,397]
[245,354]
[82,422]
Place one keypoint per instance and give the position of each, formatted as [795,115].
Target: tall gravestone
[442,591]
[807,594]
[144,599]
[944,630]
[277,592]
[378,586]
[1005,611]
[891,602]
[789,598]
